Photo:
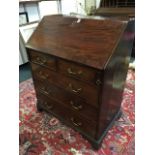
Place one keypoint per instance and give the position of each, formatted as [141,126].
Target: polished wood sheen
[81,89]
[66,114]
[114,11]
[79,67]
[82,41]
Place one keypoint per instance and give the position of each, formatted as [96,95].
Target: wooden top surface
[130,12]
[87,41]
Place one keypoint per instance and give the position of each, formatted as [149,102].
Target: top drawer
[77,71]
[67,68]
[42,59]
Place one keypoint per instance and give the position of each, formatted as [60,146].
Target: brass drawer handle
[78,90]
[75,107]
[98,82]
[71,72]
[41,60]
[75,123]
[48,106]
[43,76]
[44,90]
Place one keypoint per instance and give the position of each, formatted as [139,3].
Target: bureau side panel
[114,78]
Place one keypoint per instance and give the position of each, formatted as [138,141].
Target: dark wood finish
[117,3]
[81,89]
[69,116]
[77,41]
[77,71]
[119,13]
[71,101]
[82,80]
[118,9]
[43,60]
[114,78]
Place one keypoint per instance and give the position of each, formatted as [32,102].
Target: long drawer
[85,91]
[67,115]
[70,100]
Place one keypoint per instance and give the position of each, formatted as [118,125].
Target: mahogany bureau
[79,67]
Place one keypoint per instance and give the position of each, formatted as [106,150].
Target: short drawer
[42,59]
[67,99]
[76,87]
[78,71]
[67,115]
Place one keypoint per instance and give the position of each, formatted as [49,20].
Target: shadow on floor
[24,72]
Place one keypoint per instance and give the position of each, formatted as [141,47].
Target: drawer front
[67,99]
[85,91]
[44,102]
[78,71]
[68,116]
[77,122]
[42,59]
